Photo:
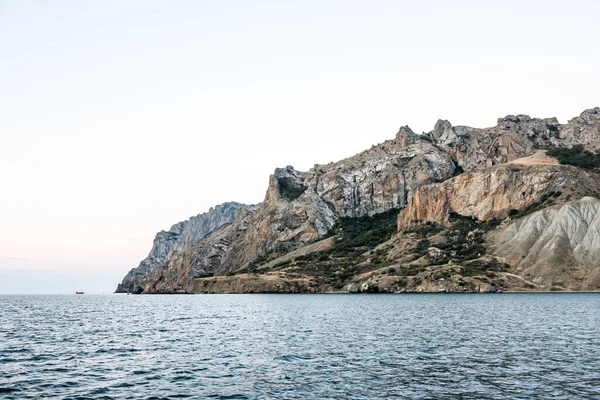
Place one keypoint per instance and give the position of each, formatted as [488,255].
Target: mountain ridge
[480,173]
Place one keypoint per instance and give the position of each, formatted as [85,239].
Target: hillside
[415,213]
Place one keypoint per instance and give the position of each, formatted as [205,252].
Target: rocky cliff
[283,246]
[494,192]
[300,207]
[506,227]
[179,237]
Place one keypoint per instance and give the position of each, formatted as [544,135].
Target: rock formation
[513,137]
[493,192]
[281,245]
[300,207]
[179,237]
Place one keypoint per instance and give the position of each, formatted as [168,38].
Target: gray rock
[487,288]
[180,236]
[514,136]
[558,245]
[353,288]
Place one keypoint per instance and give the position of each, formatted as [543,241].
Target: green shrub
[357,235]
[576,156]
[546,200]
[422,247]
[354,237]
[486,268]
[426,229]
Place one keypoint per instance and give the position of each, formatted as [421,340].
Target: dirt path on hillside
[539,158]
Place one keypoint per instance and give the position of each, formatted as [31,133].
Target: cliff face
[422,175]
[491,193]
[558,247]
[180,236]
[300,207]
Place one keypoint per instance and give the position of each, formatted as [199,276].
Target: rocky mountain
[397,217]
[300,207]
[179,237]
[463,234]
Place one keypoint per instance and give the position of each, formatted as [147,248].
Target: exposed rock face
[417,173]
[513,137]
[300,207]
[381,178]
[492,192]
[180,236]
[558,246]
[584,130]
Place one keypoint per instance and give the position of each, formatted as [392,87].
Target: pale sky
[121,118]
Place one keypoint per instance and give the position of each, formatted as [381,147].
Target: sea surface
[497,346]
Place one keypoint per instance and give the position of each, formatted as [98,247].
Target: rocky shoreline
[456,210]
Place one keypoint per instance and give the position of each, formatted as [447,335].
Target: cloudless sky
[121,118]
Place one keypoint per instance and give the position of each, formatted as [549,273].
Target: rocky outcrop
[179,237]
[474,148]
[514,136]
[300,207]
[557,247]
[491,193]
[421,174]
[584,130]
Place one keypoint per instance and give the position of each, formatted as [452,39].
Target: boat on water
[79,292]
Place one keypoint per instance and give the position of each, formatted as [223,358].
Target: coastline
[382,293]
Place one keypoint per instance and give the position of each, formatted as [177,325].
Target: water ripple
[300,347]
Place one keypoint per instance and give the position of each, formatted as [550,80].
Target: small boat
[78,292]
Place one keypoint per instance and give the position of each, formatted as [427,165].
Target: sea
[329,346]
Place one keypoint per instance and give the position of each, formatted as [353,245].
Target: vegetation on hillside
[357,250]
[464,239]
[547,200]
[462,245]
[352,251]
[576,156]
[357,235]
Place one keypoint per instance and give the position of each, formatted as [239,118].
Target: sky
[120,118]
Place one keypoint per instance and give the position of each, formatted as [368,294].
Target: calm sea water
[300,346]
